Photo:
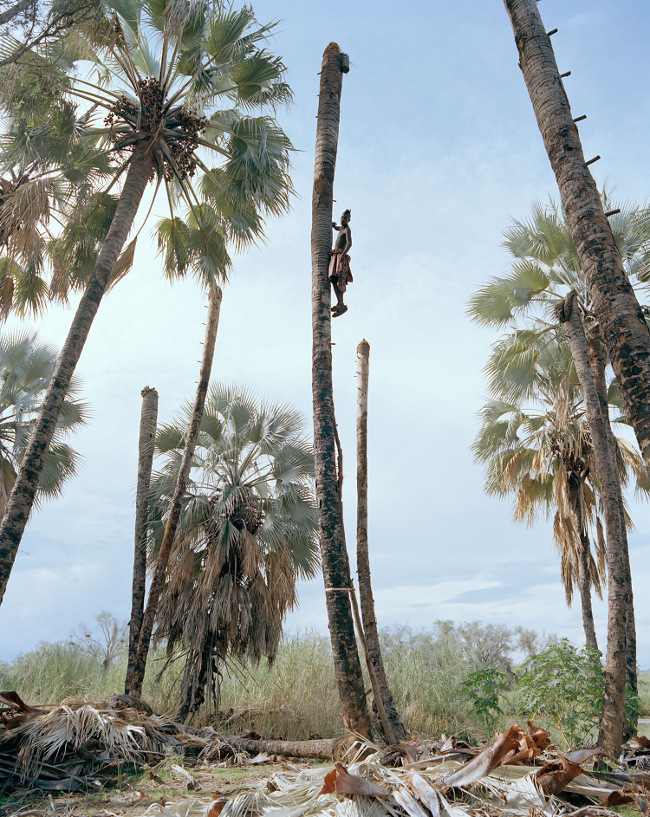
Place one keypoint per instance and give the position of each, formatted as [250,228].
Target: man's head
[345,218]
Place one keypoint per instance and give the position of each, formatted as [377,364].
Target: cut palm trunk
[611,724]
[146,445]
[394,729]
[136,679]
[334,557]
[22,496]
[625,332]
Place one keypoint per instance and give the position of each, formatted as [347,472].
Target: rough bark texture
[336,567]
[625,332]
[597,360]
[611,724]
[325,749]
[22,496]
[146,443]
[136,679]
[395,731]
[584,586]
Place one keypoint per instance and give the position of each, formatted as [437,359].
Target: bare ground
[165,784]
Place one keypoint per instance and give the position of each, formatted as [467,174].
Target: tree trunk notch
[625,332]
[334,557]
[611,724]
[22,496]
[393,727]
[136,680]
[146,445]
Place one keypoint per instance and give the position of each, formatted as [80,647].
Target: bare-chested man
[339,269]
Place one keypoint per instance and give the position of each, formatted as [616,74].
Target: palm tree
[539,448]
[548,264]
[163,68]
[615,306]
[247,532]
[25,370]
[336,566]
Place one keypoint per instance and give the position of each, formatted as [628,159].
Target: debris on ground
[77,746]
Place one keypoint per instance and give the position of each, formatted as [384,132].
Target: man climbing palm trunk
[336,568]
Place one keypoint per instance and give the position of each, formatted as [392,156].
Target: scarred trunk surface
[146,444]
[334,557]
[136,679]
[22,496]
[395,731]
[611,724]
[614,303]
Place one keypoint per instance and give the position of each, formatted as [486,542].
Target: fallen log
[323,749]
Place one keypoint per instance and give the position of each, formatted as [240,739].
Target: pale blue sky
[438,150]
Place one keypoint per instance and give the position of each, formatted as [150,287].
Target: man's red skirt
[339,269]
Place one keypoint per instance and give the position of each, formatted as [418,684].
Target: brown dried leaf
[217,807]
[541,737]
[506,744]
[617,798]
[555,777]
[340,781]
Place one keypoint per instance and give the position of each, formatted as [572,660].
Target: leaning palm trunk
[611,724]
[394,728]
[336,567]
[135,681]
[626,335]
[22,496]
[148,421]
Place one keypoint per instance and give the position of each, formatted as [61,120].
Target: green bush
[564,687]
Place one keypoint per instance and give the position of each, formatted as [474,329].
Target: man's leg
[339,305]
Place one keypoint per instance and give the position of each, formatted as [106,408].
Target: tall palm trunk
[611,724]
[336,567]
[597,360]
[396,732]
[146,444]
[135,681]
[22,496]
[626,335]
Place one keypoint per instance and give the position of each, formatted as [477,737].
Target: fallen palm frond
[64,748]
[439,785]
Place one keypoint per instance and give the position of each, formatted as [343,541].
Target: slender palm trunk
[395,730]
[584,586]
[611,724]
[148,422]
[336,567]
[597,360]
[22,496]
[626,335]
[136,679]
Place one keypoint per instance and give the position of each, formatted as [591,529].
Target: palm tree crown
[25,370]
[247,532]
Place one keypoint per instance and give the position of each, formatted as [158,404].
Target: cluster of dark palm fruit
[182,149]
[248,512]
[182,129]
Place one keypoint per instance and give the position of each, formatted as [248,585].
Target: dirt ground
[175,785]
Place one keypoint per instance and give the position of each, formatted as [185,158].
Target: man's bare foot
[339,309]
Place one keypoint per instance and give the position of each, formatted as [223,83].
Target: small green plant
[564,686]
[484,688]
